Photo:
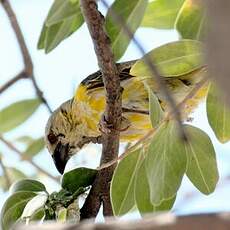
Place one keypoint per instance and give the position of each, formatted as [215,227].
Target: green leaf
[13,208]
[73,212]
[191,20]
[63,19]
[202,166]
[122,185]
[56,33]
[42,38]
[62,10]
[165,163]
[38,215]
[13,175]
[77,178]
[142,194]
[162,14]
[218,114]
[35,204]
[34,148]
[61,215]
[156,112]
[132,12]
[173,59]
[27,185]
[17,113]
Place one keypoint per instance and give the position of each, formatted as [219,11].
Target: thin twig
[100,191]
[19,153]
[5,173]
[180,106]
[28,64]
[152,66]
[40,93]
[12,81]
[21,41]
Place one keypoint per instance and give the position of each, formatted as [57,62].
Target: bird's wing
[134,96]
[95,80]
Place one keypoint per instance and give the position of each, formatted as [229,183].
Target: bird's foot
[190,119]
[106,128]
[86,140]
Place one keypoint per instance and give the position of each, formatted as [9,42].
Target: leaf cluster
[30,202]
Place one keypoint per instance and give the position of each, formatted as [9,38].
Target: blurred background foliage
[23,116]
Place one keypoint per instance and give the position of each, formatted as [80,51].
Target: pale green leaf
[34,205]
[122,185]
[61,215]
[13,208]
[162,14]
[17,113]
[218,114]
[63,19]
[132,12]
[42,37]
[56,33]
[191,20]
[38,215]
[156,112]
[73,212]
[74,1]
[62,10]
[165,163]
[202,166]
[142,194]
[24,139]
[172,59]
[34,148]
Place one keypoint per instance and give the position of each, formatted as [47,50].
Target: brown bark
[219,221]
[112,116]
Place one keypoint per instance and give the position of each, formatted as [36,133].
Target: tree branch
[12,81]
[19,153]
[28,72]
[111,121]
[164,221]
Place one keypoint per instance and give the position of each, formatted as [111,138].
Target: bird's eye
[52,138]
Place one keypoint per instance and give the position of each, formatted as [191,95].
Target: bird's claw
[106,128]
[190,119]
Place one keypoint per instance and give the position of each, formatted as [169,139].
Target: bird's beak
[61,156]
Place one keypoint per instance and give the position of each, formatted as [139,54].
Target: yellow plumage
[90,99]
[76,122]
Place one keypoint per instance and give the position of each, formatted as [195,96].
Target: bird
[76,122]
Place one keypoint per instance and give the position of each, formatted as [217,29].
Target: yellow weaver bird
[76,122]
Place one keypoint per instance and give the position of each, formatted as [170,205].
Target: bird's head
[64,134]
